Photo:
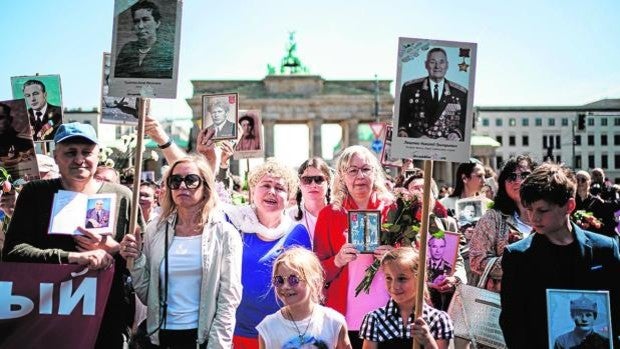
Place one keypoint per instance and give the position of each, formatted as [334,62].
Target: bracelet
[165,145]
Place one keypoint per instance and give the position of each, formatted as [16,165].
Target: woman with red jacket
[359,185]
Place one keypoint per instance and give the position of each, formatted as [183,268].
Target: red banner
[51,305]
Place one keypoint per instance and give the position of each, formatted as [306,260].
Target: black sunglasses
[192,181]
[293,280]
[514,176]
[308,179]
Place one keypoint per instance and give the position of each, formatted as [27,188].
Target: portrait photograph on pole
[221,112]
[115,110]
[433,105]
[17,154]
[43,97]
[250,140]
[145,48]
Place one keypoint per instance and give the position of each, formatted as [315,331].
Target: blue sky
[530,52]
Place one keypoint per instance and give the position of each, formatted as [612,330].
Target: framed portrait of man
[250,140]
[433,106]
[43,97]
[469,210]
[386,157]
[17,153]
[442,254]
[364,229]
[115,110]
[145,48]
[221,112]
[579,319]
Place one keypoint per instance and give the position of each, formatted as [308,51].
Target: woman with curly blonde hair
[359,184]
[266,232]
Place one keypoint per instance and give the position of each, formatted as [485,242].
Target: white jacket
[221,278]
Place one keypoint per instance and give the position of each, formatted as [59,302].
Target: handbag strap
[485,274]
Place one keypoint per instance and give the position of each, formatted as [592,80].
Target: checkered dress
[385,324]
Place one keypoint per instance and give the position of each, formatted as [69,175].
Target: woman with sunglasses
[266,232]
[504,224]
[313,193]
[188,272]
[359,184]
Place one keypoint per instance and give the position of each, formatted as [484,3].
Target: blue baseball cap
[75,130]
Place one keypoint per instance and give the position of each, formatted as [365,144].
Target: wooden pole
[143,110]
[419,299]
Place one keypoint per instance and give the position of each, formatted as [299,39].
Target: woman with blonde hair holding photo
[359,184]
[189,270]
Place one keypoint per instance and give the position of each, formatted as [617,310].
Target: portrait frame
[386,158]
[364,229]
[20,159]
[231,100]
[90,204]
[154,72]
[559,319]
[148,176]
[115,110]
[433,130]
[71,209]
[449,253]
[240,151]
[53,92]
[463,207]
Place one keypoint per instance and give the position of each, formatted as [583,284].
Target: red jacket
[329,236]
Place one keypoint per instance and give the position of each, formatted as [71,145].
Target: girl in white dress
[302,322]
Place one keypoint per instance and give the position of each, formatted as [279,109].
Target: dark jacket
[531,267]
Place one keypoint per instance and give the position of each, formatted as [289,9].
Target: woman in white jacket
[189,270]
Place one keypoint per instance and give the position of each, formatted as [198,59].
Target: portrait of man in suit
[45,118]
[433,107]
[437,264]
[97,217]
[218,116]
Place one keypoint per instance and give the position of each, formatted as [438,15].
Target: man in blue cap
[584,313]
[76,154]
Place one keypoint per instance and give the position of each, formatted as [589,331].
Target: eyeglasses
[353,171]
[514,176]
[192,181]
[307,180]
[293,280]
[582,180]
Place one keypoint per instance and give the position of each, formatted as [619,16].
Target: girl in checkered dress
[394,326]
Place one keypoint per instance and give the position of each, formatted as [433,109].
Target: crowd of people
[278,271]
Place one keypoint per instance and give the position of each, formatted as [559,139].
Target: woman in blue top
[266,232]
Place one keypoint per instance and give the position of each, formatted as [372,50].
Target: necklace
[301,335]
[142,51]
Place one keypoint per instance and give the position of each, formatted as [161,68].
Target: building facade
[582,137]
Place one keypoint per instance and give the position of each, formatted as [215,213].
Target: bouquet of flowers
[401,229]
[586,220]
